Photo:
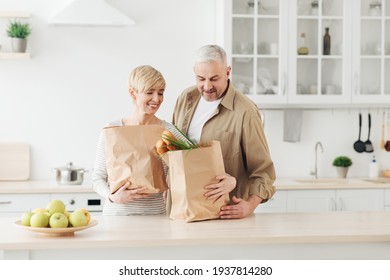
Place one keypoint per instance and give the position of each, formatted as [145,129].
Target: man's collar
[228,98]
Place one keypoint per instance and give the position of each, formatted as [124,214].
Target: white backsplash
[337,130]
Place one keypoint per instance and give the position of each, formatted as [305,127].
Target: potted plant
[342,164]
[18,32]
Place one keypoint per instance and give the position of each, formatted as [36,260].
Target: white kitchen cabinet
[335,200]
[371,51]
[277,204]
[387,200]
[256,42]
[15,204]
[318,77]
[10,15]
[262,38]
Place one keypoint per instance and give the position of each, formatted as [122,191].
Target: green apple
[41,210]
[56,206]
[58,220]
[26,218]
[39,220]
[79,218]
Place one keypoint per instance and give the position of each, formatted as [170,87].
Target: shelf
[13,14]
[4,55]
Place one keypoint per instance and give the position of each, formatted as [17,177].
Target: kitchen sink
[322,180]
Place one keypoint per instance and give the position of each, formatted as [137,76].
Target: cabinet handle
[5,202]
[331,205]
[340,204]
[284,83]
[72,202]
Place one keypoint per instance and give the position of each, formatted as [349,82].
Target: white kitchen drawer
[22,202]
[387,197]
[90,201]
[277,204]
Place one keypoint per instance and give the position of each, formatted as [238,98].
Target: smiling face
[146,88]
[148,101]
[211,79]
[211,72]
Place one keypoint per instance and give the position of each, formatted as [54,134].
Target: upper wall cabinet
[371,52]
[11,15]
[303,52]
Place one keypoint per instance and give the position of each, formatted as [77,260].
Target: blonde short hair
[145,77]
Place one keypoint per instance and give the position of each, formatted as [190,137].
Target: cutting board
[14,161]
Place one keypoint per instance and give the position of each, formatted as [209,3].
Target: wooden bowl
[386,173]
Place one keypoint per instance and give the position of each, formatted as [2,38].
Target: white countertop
[151,231]
[331,183]
[43,186]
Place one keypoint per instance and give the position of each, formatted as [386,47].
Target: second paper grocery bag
[189,172]
[130,156]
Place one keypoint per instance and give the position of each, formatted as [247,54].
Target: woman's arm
[99,175]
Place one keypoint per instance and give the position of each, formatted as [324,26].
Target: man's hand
[240,209]
[225,185]
[124,195]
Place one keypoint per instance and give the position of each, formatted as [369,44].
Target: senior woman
[146,88]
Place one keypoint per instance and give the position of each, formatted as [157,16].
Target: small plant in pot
[342,164]
[18,32]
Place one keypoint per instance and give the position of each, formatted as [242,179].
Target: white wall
[76,82]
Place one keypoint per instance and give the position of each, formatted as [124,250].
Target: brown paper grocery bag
[130,156]
[189,172]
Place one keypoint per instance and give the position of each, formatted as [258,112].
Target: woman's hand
[125,195]
[225,185]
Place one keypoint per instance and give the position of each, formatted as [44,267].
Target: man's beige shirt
[237,125]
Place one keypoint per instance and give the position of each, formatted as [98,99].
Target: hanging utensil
[359,145]
[387,145]
[368,145]
[383,132]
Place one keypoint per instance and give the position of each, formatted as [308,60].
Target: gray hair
[210,53]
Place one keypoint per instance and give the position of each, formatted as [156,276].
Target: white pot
[18,45]
[342,172]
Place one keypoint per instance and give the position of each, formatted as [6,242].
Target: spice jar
[375,8]
[314,8]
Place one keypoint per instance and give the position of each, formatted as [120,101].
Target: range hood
[91,13]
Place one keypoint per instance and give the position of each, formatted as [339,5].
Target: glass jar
[314,8]
[375,9]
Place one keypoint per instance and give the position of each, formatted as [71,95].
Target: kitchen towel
[292,125]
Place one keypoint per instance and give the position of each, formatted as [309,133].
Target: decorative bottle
[326,50]
[303,50]
[373,171]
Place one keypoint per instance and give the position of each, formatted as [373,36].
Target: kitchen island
[333,235]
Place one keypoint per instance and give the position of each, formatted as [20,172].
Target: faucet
[315,171]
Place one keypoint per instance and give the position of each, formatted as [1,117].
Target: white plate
[57,231]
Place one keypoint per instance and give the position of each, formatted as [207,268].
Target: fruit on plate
[58,220]
[56,206]
[55,215]
[79,217]
[41,210]
[39,220]
[26,216]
